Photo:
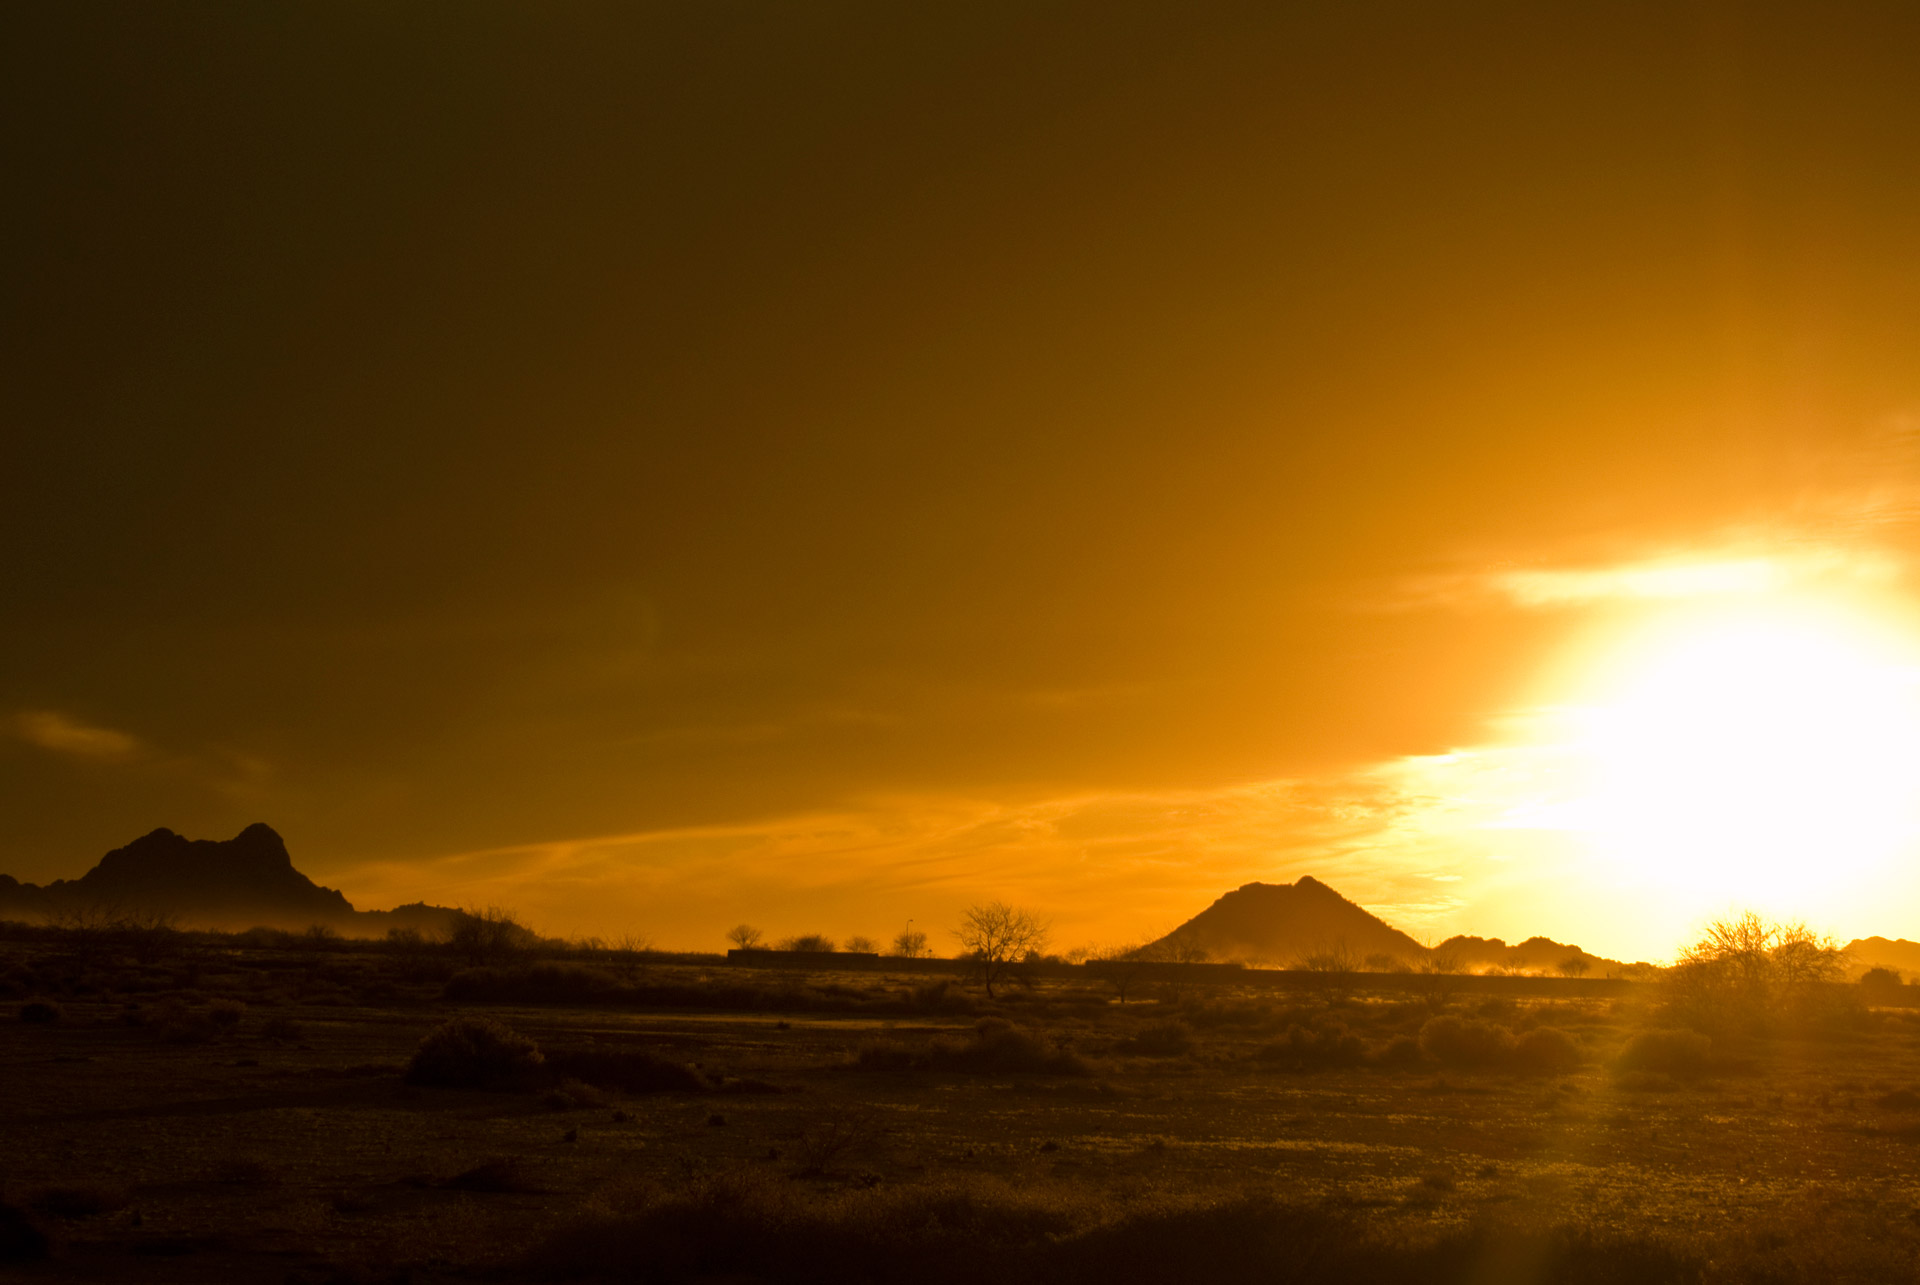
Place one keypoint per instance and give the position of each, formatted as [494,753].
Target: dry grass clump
[1162,1039]
[1466,1042]
[23,1239]
[940,996]
[84,1201]
[282,1030]
[751,1225]
[1671,1052]
[40,1012]
[996,1046]
[474,1052]
[1324,1046]
[1546,1051]
[1474,1044]
[500,1175]
[630,1070]
[177,1023]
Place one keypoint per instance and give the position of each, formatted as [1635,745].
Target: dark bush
[22,1238]
[281,1030]
[40,1011]
[746,1225]
[996,1046]
[940,996]
[176,1023]
[1546,1051]
[631,1070]
[546,982]
[1399,1052]
[226,1013]
[474,1052]
[576,1095]
[888,1055]
[1454,1041]
[999,1045]
[1682,1053]
[1163,1039]
[77,1202]
[501,1174]
[1304,1048]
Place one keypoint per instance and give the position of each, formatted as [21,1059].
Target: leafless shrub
[1748,974]
[818,943]
[832,1135]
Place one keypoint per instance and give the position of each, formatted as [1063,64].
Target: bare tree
[996,937]
[629,955]
[745,936]
[1119,967]
[909,944]
[861,945]
[1745,971]
[1574,966]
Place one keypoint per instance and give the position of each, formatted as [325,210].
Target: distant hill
[1280,924]
[1899,954]
[1534,955]
[241,882]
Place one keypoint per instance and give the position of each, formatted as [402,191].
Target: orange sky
[656,466]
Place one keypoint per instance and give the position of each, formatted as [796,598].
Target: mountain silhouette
[1534,955]
[1899,954]
[1284,923]
[240,882]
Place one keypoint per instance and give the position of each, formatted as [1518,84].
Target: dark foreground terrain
[229,1111]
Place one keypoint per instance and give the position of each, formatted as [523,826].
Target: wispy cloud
[62,734]
[1711,569]
[1102,866]
[1695,576]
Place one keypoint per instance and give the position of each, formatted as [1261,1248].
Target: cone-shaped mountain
[1282,923]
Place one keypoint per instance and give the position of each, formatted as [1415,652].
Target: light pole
[907,940]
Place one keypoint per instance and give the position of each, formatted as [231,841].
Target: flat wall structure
[1306,981]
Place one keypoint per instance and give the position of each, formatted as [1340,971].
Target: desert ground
[240,1109]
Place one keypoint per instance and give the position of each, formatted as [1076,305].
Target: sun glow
[1768,756]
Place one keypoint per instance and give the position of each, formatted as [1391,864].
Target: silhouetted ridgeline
[1899,954]
[1286,925]
[240,882]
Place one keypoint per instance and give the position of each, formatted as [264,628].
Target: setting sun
[1756,755]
